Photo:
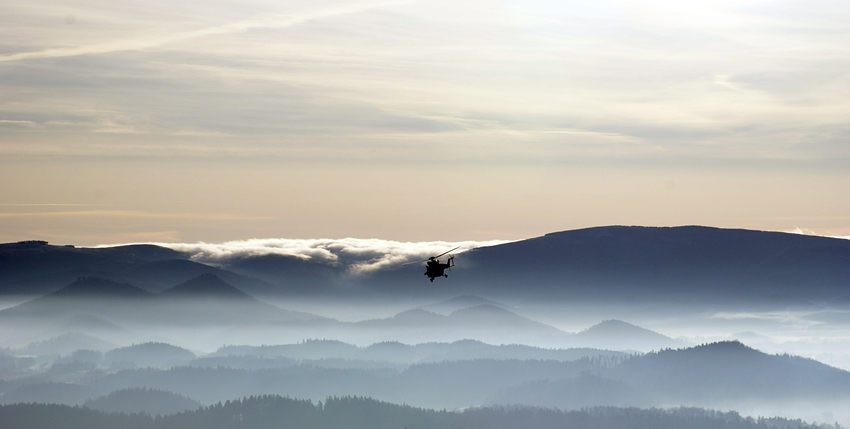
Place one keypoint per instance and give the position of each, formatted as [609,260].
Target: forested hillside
[267,412]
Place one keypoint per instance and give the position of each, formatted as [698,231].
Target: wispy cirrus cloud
[156,40]
[564,111]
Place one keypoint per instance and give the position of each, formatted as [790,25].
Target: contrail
[147,42]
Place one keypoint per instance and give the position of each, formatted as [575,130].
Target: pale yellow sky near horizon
[211,121]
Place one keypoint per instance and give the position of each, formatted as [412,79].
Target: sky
[414,121]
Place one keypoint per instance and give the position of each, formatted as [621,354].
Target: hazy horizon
[355,281]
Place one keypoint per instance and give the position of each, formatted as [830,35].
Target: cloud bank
[356,255]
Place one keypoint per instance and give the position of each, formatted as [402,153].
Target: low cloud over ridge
[357,255]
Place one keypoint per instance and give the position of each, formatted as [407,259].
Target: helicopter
[434,268]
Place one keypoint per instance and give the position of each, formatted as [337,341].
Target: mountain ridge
[693,264]
[38,268]
[696,263]
[206,285]
[627,335]
[206,299]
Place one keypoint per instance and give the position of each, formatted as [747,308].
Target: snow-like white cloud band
[803,231]
[355,254]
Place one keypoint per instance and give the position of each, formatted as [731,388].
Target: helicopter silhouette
[434,268]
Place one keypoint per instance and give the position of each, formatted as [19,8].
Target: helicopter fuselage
[434,268]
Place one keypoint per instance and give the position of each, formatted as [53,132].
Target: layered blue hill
[611,264]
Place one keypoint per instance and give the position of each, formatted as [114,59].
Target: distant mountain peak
[468,299]
[726,346]
[733,349]
[614,324]
[206,285]
[620,335]
[89,287]
[483,309]
[152,345]
[492,316]
[154,354]
[414,315]
[618,327]
[143,252]
[460,302]
[468,342]
[415,312]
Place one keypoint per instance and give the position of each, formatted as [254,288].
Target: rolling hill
[619,335]
[35,268]
[630,263]
[203,300]
[615,264]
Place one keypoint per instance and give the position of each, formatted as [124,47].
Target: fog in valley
[653,318]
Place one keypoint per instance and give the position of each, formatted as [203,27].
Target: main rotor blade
[433,257]
[441,254]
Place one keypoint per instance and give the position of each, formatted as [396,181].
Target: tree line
[277,412]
